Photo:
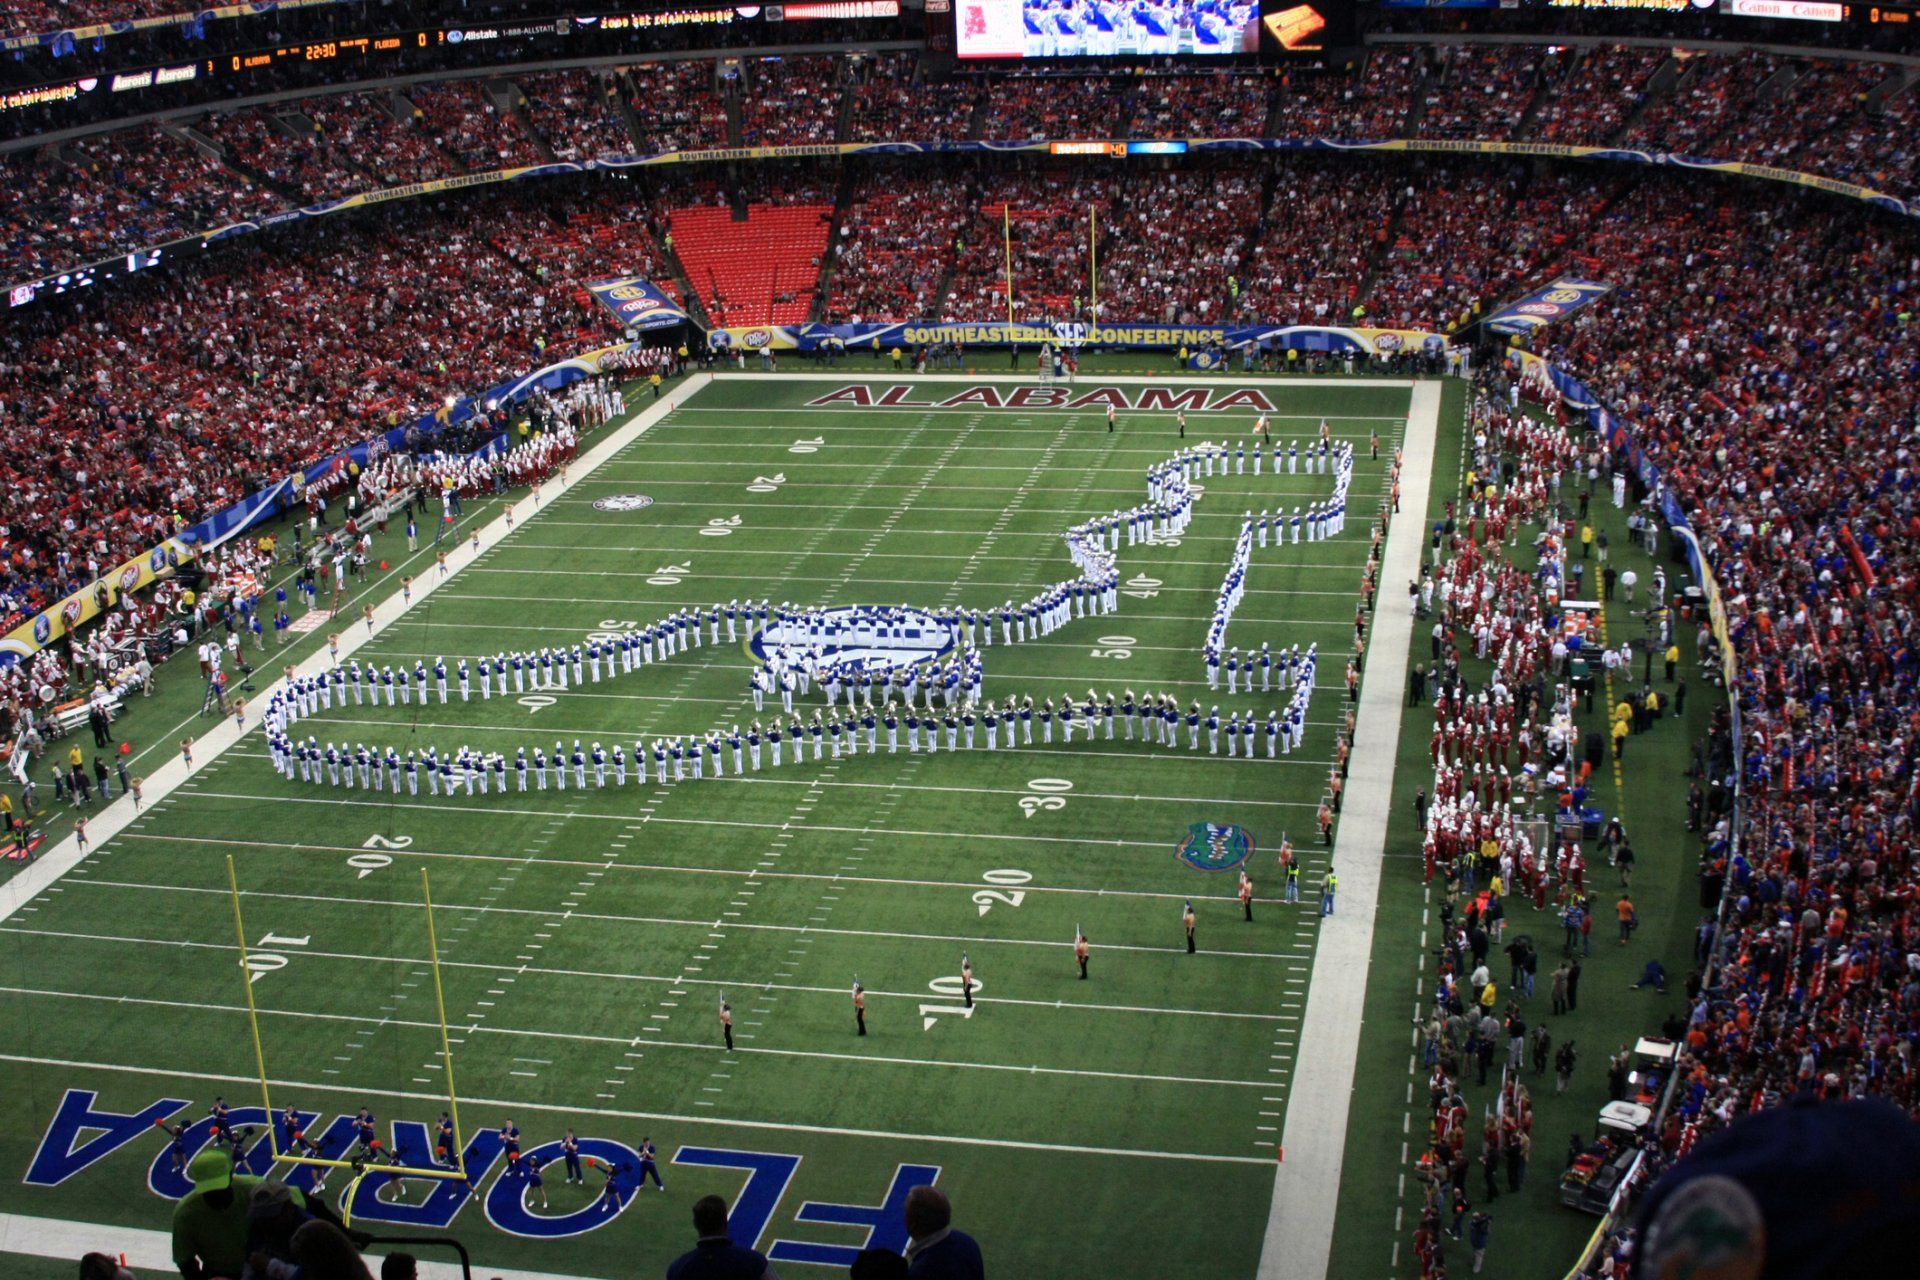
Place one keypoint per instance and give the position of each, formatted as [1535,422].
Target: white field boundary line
[702,1046]
[1306,1186]
[749,873]
[354,635]
[517,1105]
[152,1251]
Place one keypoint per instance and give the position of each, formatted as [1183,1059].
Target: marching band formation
[915,675]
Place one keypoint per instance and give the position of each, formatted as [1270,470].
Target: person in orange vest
[966,978]
[1246,895]
[860,1006]
[1326,823]
[1186,922]
[1080,951]
[726,1023]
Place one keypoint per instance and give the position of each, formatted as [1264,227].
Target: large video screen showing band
[1117,28]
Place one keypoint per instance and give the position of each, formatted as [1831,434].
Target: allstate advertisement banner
[1543,306]
[1073,334]
[637,304]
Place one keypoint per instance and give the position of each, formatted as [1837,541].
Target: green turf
[586,936]
[1534,1236]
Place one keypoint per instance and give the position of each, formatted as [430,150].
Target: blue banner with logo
[638,304]
[1543,306]
[1211,341]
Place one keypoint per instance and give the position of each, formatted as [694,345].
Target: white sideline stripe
[772,1126]
[579,1037]
[1306,1185]
[564,914]
[152,1251]
[751,875]
[163,781]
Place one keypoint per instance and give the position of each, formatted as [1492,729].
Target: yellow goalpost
[359,1168]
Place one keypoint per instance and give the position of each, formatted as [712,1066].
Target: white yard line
[416,851]
[1306,1189]
[190,944]
[432,804]
[210,744]
[773,1126]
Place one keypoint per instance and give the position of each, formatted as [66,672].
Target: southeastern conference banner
[857,338]
[637,303]
[1543,306]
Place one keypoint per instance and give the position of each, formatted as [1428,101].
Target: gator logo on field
[623,502]
[1214,846]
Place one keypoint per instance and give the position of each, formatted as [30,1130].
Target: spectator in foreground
[938,1252]
[716,1256]
[322,1251]
[1811,1190]
[878,1264]
[99,1266]
[210,1224]
[400,1266]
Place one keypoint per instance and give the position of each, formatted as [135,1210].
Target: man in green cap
[210,1225]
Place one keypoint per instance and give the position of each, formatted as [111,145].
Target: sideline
[162,782]
[66,1240]
[1306,1185]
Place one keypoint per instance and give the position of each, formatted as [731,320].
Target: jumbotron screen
[1097,28]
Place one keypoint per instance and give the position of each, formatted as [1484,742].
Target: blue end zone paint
[767,1178]
[257,1158]
[885,1223]
[61,1154]
[507,1206]
[1215,846]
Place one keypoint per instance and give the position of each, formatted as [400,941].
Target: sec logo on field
[1215,846]
[623,502]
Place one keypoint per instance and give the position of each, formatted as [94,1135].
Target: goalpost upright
[359,1167]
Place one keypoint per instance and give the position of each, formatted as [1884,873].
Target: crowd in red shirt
[91,199]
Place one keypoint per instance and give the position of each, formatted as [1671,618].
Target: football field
[587,936]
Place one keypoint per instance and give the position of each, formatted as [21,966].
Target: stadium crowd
[83,200]
[1779,424]
[890,101]
[214,383]
[1766,369]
